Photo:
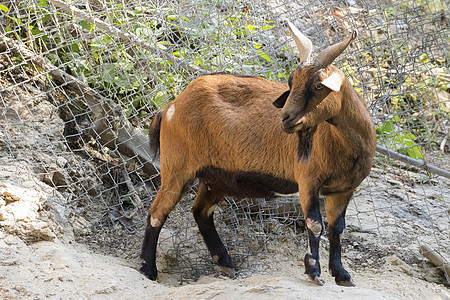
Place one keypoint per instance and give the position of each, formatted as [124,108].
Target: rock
[8,197]
[23,199]
[59,180]
[80,226]
[393,260]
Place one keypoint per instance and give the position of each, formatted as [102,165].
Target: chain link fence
[80,80]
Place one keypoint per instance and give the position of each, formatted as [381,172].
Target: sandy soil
[52,270]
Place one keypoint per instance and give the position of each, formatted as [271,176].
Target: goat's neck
[354,122]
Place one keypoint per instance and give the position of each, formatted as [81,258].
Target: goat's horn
[327,56]
[304,44]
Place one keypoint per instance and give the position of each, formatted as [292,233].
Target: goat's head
[310,98]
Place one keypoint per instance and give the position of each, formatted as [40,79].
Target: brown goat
[224,130]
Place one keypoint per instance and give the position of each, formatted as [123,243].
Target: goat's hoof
[228,271]
[342,277]
[225,264]
[149,271]
[346,283]
[317,280]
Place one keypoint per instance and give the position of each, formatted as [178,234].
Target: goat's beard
[305,142]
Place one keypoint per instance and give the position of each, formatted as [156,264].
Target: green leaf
[405,143]
[127,66]
[388,127]
[250,27]
[267,27]
[86,25]
[16,20]
[36,31]
[159,98]
[172,17]
[143,31]
[4,8]
[131,12]
[129,111]
[143,113]
[264,55]
[161,45]
[424,58]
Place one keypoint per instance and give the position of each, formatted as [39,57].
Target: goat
[227,131]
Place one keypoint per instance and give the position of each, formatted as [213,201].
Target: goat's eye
[319,86]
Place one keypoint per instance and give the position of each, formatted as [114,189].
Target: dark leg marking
[315,230]
[215,245]
[148,253]
[341,276]
[203,214]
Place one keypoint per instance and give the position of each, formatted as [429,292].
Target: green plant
[405,143]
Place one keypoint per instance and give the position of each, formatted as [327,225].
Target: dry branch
[130,185]
[110,126]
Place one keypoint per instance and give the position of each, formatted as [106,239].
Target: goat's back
[229,122]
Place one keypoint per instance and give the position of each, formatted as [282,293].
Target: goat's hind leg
[203,211]
[169,195]
[336,207]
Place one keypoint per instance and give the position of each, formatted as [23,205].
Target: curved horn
[327,56]
[304,44]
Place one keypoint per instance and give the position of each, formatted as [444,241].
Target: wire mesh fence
[80,81]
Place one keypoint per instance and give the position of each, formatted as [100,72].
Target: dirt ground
[58,242]
[53,270]
[42,260]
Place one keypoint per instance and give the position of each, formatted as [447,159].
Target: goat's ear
[334,81]
[279,103]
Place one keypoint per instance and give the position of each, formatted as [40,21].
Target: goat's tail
[154,134]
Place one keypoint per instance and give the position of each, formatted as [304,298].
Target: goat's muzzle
[291,123]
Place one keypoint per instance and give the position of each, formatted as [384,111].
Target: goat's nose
[285,117]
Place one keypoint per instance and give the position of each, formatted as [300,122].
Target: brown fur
[229,122]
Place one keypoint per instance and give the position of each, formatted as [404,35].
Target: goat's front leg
[336,207]
[311,210]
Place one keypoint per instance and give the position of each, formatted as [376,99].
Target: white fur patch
[334,81]
[211,210]
[282,195]
[170,112]
[314,226]
[155,222]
